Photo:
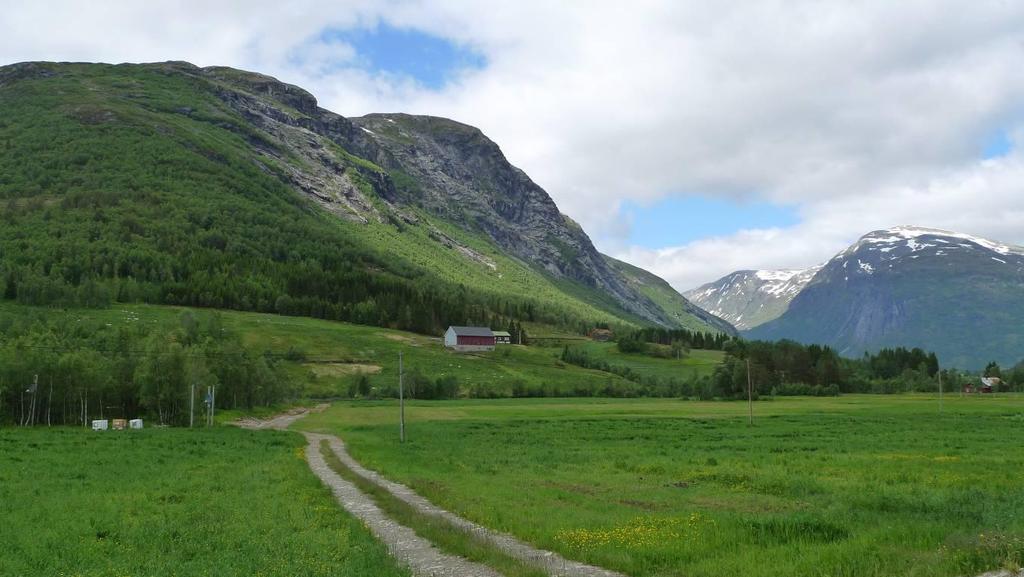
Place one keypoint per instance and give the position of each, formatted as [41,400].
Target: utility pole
[35,393]
[750,396]
[192,405]
[940,392]
[401,400]
[213,404]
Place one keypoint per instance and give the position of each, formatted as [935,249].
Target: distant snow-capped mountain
[749,298]
[959,295]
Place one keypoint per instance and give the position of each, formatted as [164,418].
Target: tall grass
[217,502]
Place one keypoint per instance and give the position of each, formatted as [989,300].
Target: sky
[690,138]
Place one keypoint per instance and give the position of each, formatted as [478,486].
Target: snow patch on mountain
[752,297]
[911,237]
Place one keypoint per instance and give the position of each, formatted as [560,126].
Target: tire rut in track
[420,555]
[549,561]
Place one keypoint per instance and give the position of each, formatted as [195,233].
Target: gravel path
[549,561]
[417,553]
[281,422]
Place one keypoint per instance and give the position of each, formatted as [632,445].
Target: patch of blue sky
[676,221]
[430,60]
[999,144]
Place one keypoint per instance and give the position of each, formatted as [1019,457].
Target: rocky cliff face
[392,161]
[959,295]
[749,298]
[452,170]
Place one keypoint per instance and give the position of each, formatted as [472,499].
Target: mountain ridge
[232,132]
[749,298]
[960,295]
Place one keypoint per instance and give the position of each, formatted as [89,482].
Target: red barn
[469,339]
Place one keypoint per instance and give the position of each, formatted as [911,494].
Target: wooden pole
[750,396]
[35,395]
[940,392]
[191,405]
[401,400]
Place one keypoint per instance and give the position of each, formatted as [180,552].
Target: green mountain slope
[688,315]
[957,295]
[167,183]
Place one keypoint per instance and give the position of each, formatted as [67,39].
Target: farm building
[990,384]
[469,339]
[601,335]
[502,338]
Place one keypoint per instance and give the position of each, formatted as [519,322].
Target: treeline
[790,368]
[68,371]
[67,261]
[680,337]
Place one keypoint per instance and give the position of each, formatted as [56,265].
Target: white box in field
[135,424]
[100,425]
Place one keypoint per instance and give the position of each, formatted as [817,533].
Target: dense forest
[636,341]
[790,368]
[66,372]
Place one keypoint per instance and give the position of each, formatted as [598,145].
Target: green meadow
[854,486]
[167,502]
[696,363]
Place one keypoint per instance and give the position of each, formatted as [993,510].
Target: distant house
[465,339]
[990,384]
[502,338]
[601,335]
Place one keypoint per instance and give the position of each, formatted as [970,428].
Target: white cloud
[985,198]
[863,114]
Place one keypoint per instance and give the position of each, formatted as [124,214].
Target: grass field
[854,486]
[172,502]
[696,363]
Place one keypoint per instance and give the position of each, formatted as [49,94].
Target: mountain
[749,298]
[217,187]
[959,295]
[684,312]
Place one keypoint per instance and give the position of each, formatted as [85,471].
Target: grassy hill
[171,184]
[259,358]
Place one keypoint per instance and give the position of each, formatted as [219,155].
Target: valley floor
[856,486]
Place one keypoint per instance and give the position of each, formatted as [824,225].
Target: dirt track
[419,554]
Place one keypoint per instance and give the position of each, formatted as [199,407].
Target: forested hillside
[171,184]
